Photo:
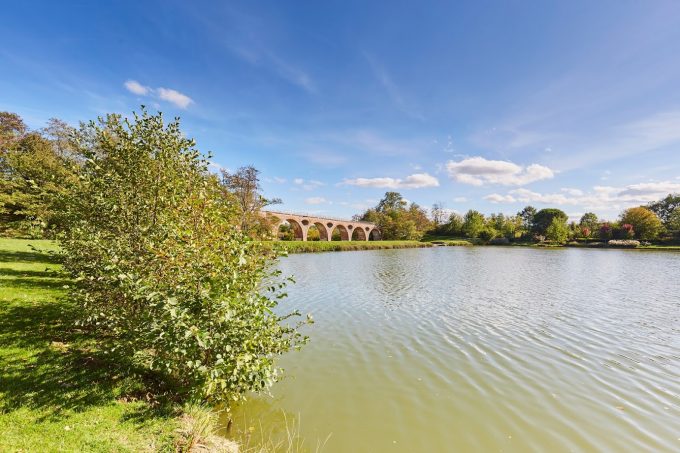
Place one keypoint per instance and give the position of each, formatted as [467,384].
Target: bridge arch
[298,230]
[343,232]
[359,234]
[321,228]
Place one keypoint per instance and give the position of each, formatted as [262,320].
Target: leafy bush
[645,222]
[163,271]
[487,234]
[557,231]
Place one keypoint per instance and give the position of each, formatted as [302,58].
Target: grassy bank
[58,391]
[338,246]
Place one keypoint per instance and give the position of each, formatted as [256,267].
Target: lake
[480,348]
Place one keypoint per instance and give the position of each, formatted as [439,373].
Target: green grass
[337,246]
[58,391]
[449,240]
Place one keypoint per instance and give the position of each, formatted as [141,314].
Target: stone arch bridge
[300,224]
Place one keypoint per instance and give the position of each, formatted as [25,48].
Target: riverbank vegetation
[333,246]
[656,224]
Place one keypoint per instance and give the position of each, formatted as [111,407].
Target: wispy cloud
[181,100]
[657,131]
[415,181]
[316,200]
[478,171]
[393,91]
[307,184]
[137,88]
[175,97]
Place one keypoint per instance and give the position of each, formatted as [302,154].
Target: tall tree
[396,219]
[33,177]
[666,207]
[527,215]
[244,186]
[544,218]
[589,220]
[392,201]
[473,223]
[438,214]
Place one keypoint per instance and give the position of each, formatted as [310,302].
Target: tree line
[400,220]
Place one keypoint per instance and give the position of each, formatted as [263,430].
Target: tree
[245,187]
[437,214]
[392,201]
[589,220]
[557,231]
[164,274]
[454,226]
[645,222]
[12,128]
[33,176]
[473,223]
[665,208]
[527,215]
[668,210]
[544,218]
[673,222]
[395,220]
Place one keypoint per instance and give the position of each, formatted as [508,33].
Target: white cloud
[137,88]
[460,199]
[600,197]
[316,200]
[308,184]
[181,100]
[654,189]
[414,181]
[478,171]
[498,198]
[572,192]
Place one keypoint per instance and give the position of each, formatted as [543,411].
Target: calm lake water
[481,348]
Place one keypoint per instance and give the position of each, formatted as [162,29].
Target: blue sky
[485,105]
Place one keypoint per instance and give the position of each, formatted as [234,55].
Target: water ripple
[459,349]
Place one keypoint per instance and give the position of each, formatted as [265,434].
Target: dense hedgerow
[163,271]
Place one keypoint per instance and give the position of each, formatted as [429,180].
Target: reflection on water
[480,349]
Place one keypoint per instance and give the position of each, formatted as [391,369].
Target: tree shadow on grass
[47,273]
[11,256]
[50,365]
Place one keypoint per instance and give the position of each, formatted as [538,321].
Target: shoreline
[295,247]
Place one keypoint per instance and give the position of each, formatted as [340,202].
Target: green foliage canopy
[544,218]
[164,272]
[396,219]
[645,222]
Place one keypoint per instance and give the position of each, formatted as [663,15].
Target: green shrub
[164,273]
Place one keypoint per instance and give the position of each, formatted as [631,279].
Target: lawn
[58,391]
